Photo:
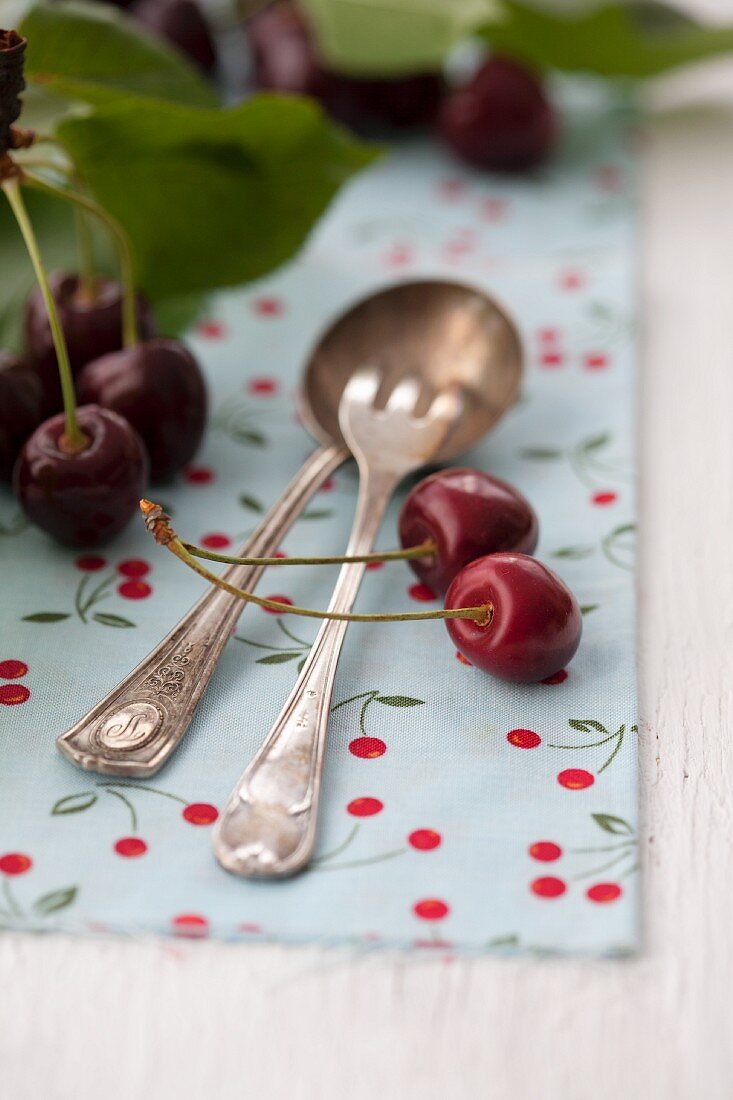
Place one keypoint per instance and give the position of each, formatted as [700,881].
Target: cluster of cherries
[500,119]
[469,537]
[142,412]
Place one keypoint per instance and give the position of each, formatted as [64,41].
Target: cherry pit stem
[122,245]
[73,439]
[423,550]
[159,525]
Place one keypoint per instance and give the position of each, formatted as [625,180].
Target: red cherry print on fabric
[11,695]
[424,840]
[367,748]
[431,909]
[190,925]
[215,541]
[548,887]
[575,779]
[605,497]
[262,387]
[134,590]
[603,892]
[15,863]
[493,210]
[90,563]
[268,307]
[422,593]
[12,669]
[399,255]
[572,279]
[595,361]
[198,475]
[133,567]
[552,358]
[200,813]
[364,807]
[130,847]
[546,851]
[451,189]
[524,739]
[211,330]
[276,599]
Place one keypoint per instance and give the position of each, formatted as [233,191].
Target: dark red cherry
[158,386]
[501,120]
[92,327]
[536,623]
[285,60]
[181,23]
[82,499]
[22,408]
[467,514]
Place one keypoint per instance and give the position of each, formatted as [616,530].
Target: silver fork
[268,827]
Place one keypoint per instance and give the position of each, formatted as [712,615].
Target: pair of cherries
[484,532]
[142,412]
[501,119]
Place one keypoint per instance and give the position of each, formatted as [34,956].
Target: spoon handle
[267,829]
[137,726]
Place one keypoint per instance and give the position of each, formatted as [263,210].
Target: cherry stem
[423,550]
[73,439]
[85,246]
[158,523]
[130,334]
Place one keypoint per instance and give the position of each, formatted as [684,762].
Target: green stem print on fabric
[591,726]
[239,420]
[16,914]
[298,649]
[623,850]
[86,597]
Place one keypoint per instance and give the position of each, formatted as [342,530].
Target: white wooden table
[159,1020]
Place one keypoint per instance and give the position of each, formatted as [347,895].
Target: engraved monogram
[168,678]
[128,728]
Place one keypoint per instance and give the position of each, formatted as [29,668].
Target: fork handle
[267,829]
[135,728]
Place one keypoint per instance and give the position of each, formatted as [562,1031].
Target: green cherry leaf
[632,39]
[58,899]
[596,442]
[399,701]
[276,658]
[74,803]
[317,513]
[396,36]
[586,608]
[611,824]
[93,52]
[586,725]
[225,208]
[106,619]
[252,503]
[46,617]
[540,454]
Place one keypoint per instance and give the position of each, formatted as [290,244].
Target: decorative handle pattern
[268,827]
[135,728]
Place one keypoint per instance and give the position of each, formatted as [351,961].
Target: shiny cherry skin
[467,514]
[82,499]
[501,120]
[181,23]
[92,327]
[536,622]
[158,386]
[285,60]
[22,408]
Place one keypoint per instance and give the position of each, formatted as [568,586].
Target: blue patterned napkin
[458,811]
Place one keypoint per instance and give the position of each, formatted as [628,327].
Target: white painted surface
[130,1020]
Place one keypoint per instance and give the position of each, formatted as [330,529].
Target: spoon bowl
[443,333]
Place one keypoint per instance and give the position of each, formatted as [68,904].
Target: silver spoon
[268,827]
[136,727]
